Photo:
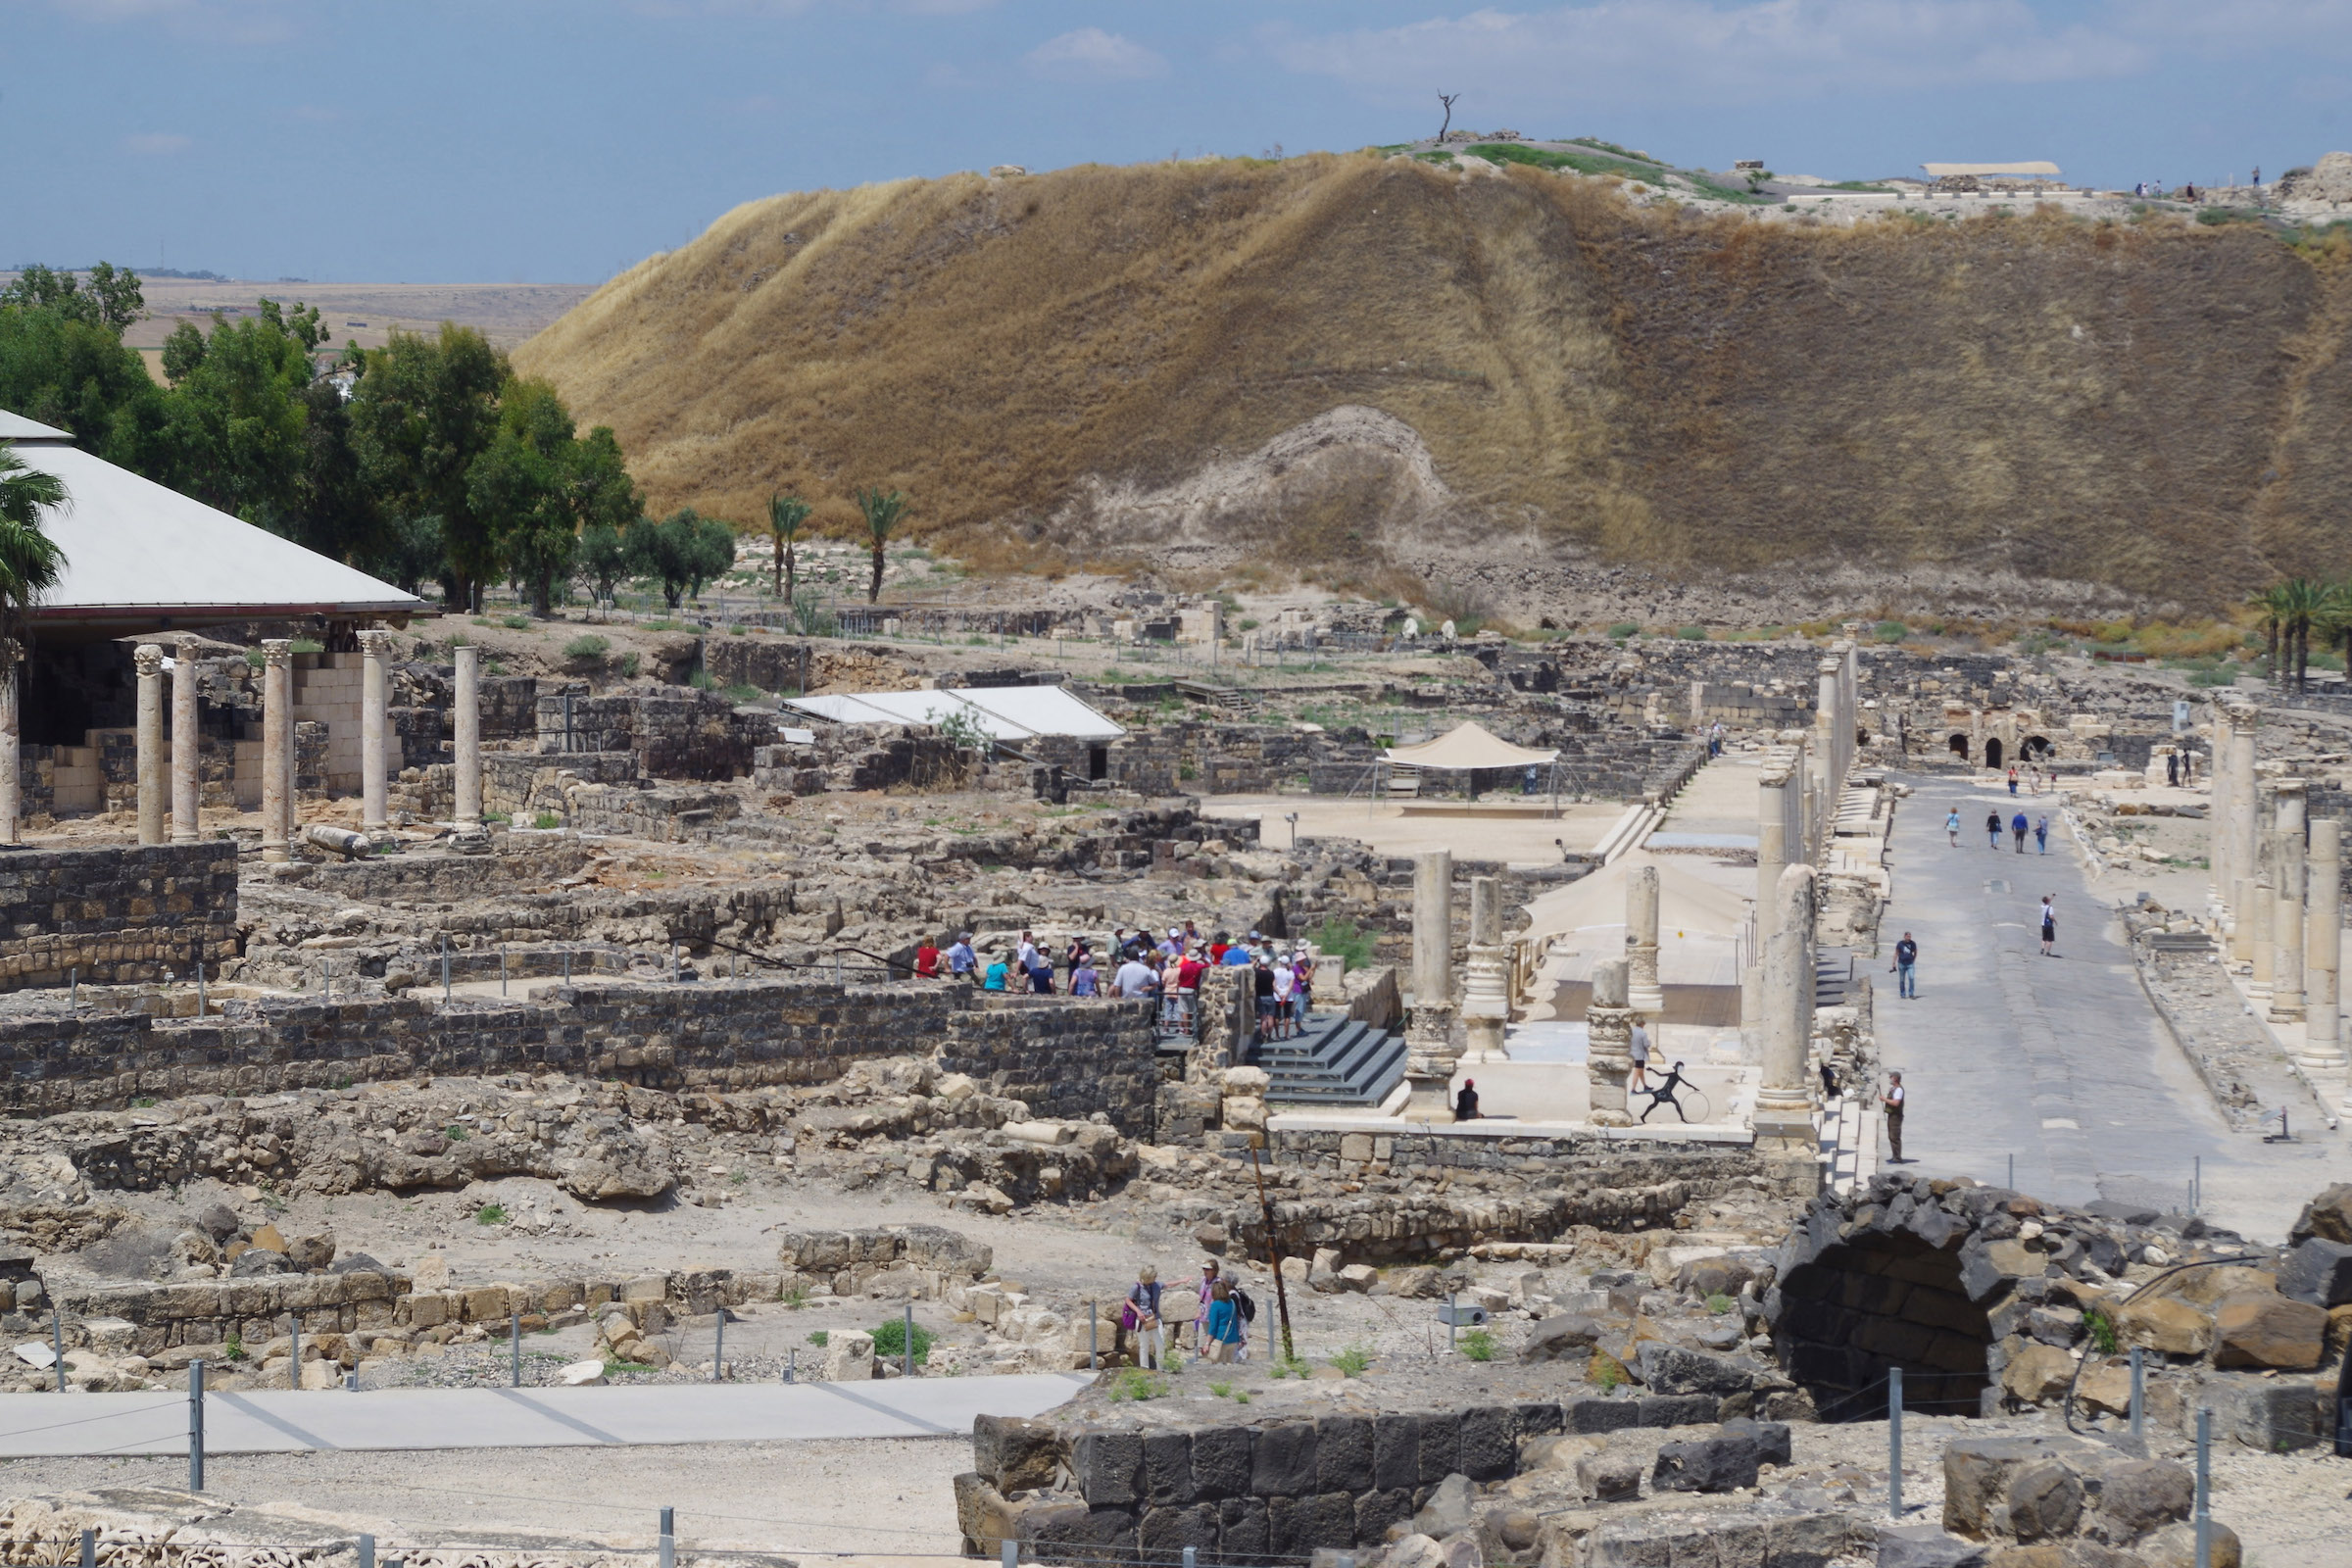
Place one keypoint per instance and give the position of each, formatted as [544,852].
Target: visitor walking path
[284,1421]
[2063,1062]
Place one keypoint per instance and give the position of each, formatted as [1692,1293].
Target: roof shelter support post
[11,656]
[374,647]
[278,749]
[186,748]
[469,740]
[147,660]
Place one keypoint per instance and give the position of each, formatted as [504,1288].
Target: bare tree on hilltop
[1447,98]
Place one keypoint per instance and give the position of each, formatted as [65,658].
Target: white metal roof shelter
[1012,713]
[140,557]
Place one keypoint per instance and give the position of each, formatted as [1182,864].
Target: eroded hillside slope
[1353,366]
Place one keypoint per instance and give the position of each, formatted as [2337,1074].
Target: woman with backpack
[1139,1314]
[1221,1329]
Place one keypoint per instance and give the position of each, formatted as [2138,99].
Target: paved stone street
[2061,1061]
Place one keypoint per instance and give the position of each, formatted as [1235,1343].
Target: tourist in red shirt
[926,961]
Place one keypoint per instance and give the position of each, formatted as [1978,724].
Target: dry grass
[2164,407]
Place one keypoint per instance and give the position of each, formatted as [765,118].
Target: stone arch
[2038,748]
[1992,751]
[1959,745]
[1877,1301]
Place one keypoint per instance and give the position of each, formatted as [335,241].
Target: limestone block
[2037,1373]
[2264,1328]
[2165,1323]
[849,1356]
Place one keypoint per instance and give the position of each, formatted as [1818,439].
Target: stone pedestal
[1430,1052]
[1784,1101]
[278,749]
[376,650]
[2323,1022]
[1643,991]
[12,657]
[2286,906]
[147,660]
[187,751]
[1608,1047]
[1486,975]
[468,726]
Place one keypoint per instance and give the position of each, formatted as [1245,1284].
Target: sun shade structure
[1465,747]
[142,557]
[1946,171]
[1002,712]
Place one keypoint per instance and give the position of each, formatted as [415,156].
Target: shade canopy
[1003,712]
[140,557]
[1949,170]
[1467,746]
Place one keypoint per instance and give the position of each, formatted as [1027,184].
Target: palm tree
[2304,600]
[2272,602]
[31,563]
[883,509]
[785,514]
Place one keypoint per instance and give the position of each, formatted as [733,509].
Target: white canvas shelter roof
[1003,712]
[1941,170]
[140,557]
[1467,746]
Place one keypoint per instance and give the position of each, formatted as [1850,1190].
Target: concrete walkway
[2061,1062]
[283,1421]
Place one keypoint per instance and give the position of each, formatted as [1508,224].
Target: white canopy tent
[1466,748]
[1005,713]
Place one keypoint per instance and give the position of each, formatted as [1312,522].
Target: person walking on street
[2017,826]
[2172,769]
[2049,928]
[1906,962]
[1637,1047]
[1992,831]
[1891,1102]
[2041,833]
[2013,781]
[1952,826]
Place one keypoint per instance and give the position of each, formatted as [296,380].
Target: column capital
[277,652]
[148,659]
[375,642]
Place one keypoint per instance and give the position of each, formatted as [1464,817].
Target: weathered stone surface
[2037,1373]
[1013,1455]
[2044,1501]
[1395,1451]
[1447,1509]
[1284,1464]
[1562,1337]
[2264,1328]
[2272,1415]
[1595,1415]
[2318,1272]
[1376,1511]
[1344,1454]
[2165,1323]
[1721,1463]
[1977,1473]
[2327,1216]
[1163,1533]
[2139,1496]
[1110,1467]
[1610,1476]
[1489,1443]
[1677,1410]
[1441,1446]
[1672,1369]
[1169,1469]
[2176,1547]
[1925,1546]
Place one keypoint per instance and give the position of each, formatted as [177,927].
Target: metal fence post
[568,966]
[57,1340]
[1449,1324]
[2013,1171]
[2204,1489]
[792,1364]
[367,1551]
[907,1347]
[1192,1557]
[670,1537]
[502,969]
[514,1342]
[719,1344]
[294,1360]
[1011,1554]
[73,980]
[2139,1389]
[1895,1442]
[444,966]
[1094,1361]
[195,1426]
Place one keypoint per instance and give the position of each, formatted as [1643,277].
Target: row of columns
[180,795]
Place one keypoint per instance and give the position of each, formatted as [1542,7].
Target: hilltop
[1536,386]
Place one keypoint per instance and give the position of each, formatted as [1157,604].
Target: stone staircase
[1337,1061]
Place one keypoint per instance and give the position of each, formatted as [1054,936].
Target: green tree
[406,551]
[883,509]
[541,485]
[604,557]
[682,552]
[31,561]
[73,373]
[111,300]
[425,408]
[710,554]
[785,514]
[237,418]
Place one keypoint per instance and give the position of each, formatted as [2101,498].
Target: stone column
[2286,909]
[1785,1103]
[1430,1055]
[470,751]
[147,659]
[1643,991]
[1772,855]
[1486,975]
[11,781]
[2255,915]
[2245,720]
[1608,1044]
[2324,935]
[278,749]
[187,751]
[2216,813]
[376,647]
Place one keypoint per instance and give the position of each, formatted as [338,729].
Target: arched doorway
[1959,745]
[1993,753]
[2038,748]
[1876,1301]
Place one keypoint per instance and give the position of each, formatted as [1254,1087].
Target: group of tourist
[1141,966]
[1211,1315]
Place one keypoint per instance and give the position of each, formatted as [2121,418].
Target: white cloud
[1617,51]
[156,144]
[1090,54]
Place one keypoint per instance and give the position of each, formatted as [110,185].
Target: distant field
[505,313]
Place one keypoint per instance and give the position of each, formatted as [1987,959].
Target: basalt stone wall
[442,877]
[1271,1492]
[693,735]
[118,915]
[1076,1058]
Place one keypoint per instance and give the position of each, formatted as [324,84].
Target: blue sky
[495,140]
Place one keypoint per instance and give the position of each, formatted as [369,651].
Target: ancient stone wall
[1069,1059]
[690,735]
[118,915]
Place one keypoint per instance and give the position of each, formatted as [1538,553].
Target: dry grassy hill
[1360,368]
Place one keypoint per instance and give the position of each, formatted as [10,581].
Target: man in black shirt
[1465,1101]
[1906,959]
